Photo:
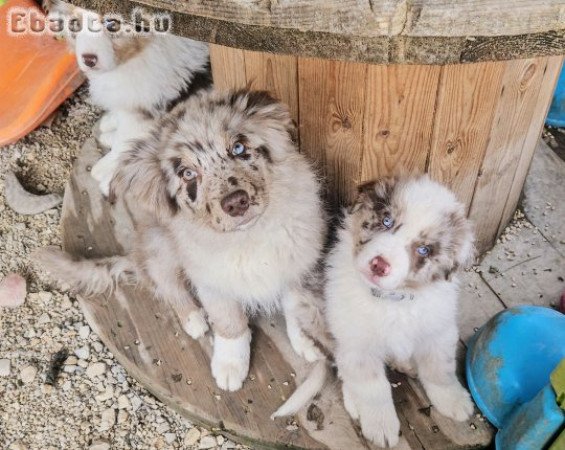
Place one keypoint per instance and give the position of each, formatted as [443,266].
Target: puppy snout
[89,59]
[380,266]
[236,203]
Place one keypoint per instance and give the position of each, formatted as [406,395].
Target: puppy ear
[142,177]
[463,239]
[376,194]
[262,106]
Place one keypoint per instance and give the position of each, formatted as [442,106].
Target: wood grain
[515,110]
[383,32]
[465,106]
[145,336]
[550,76]
[399,114]
[228,67]
[276,74]
[332,104]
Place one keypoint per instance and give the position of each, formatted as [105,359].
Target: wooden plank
[515,109]
[551,74]
[366,30]
[386,17]
[464,110]
[277,74]
[399,113]
[332,104]
[228,67]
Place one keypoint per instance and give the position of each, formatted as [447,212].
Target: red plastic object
[37,74]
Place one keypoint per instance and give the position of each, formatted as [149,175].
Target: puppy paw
[106,140]
[451,400]
[349,404]
[381,426]
[103,172]
[196,325]
[109,122]
[230,361]
[304,346]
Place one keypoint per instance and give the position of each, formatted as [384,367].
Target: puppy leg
[170,282]
[296,302]
[108,126]
[367,396]
[130,126]
[436,369]
[232,340]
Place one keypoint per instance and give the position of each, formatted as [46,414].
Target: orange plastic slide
[37,72]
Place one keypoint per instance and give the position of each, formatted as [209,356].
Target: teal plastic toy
[509,363]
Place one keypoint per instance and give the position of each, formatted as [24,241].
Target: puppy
[239,215]
[391,294]
[133,76]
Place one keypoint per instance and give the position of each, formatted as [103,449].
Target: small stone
[43,319]
[170,438]
[95,370]
[4,367]
[122,416]
[17,446]
[27,374]
[220,439]
[123,402]
[45,297]
[207,442]
[108,419]
[99,444]
[191,437]
[83,352]
[13,290]
[135,403]
[84,332]
[106,395]
[98,347]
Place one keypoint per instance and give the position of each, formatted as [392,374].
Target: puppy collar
[391,295]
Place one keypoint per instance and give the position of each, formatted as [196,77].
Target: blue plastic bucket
[556,115]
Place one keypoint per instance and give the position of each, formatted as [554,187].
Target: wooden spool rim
[387,32]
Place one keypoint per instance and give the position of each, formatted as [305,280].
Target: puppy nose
[380,267]
[236,203]
[89,59]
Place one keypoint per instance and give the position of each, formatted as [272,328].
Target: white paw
[103,172]
[107,139]
[109,122]
[303,345]
[349,404]
[451,400]
[381,426]
[196,325]
[230,361]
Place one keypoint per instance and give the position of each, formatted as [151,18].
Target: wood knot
[527,76]
[451,146]
[385,133]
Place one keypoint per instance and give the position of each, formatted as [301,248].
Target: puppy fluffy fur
[236,210]
[391,295]
[136,77]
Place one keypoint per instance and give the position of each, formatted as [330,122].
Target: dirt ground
[92,404]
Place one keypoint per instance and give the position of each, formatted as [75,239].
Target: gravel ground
[92,404]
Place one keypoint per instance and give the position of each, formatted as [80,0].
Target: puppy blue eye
[388,222]
[188,174]
[423,250]
[238,149]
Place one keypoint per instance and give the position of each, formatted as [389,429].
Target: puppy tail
[305,392]
[88,276]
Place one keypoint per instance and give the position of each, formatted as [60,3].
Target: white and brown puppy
[134,74]
[239,214]
[391,295]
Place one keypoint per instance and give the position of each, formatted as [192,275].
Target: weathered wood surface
[387,31]
[474,127]
[147,339]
